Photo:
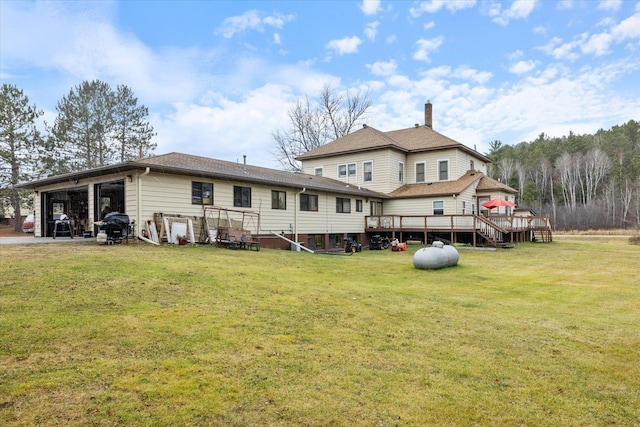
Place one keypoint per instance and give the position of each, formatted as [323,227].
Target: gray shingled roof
[187,164]
[409,140]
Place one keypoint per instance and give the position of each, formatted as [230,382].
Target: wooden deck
[497,231]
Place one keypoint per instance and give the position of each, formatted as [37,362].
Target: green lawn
[543,334]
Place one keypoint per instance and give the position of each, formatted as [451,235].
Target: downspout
[295,214]
[139,191]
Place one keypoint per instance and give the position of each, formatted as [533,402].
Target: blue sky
[219,76]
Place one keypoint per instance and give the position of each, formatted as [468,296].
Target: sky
[219,77]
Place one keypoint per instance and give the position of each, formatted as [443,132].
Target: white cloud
[429,25]
[598,44]
[370,7]
[433,6]
[629,28]
[519,9]
[345,45]
[251,20]
[371,30]
[522,67]
[609,4]
[426,47]
[381,68]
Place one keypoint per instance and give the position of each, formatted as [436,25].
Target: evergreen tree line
[581,181]
[96,125]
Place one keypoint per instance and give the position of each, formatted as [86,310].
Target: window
[343,205]
[473,208]
[336,241]
[315,241]
[309,202]
[344,170]
[358,205]
[376,208]
[241,197]
[438,207]
[464,207]
[420,170]
[401,172]
[318,171]
[443,170]
[201,193]
[278,199]
[367,168]
[472,165]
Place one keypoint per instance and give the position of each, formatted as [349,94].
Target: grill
[115,226]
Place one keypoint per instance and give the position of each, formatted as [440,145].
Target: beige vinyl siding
[463,163]
[172,193]
[419,206]
[327,220]
[430,159]
[385,168]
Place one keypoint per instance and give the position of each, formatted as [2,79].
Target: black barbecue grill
[116,226]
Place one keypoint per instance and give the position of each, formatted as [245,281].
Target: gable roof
[487,184]
[442,188]
[410,140]
[186,164]
[447,188]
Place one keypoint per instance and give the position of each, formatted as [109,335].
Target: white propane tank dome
[438,255]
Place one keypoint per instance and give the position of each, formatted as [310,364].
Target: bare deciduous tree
[313,124]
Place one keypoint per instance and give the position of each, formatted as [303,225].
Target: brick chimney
[428,115]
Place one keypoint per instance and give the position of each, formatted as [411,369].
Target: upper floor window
[346,170]
[420,172]
[438,207]
[367,170]
[241,197]
[358,205]
[309,202]
[343,205]
[464,207]
[472,166]
[443,170]
[201,193]
[278,199]
[318,171]
[401,172]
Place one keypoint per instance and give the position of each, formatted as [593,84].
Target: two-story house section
[424,173]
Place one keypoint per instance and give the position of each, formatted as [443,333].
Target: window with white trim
[367,171]
[401,172]
[420,172]
[438,207]
[351,169]
[318,172]
[443,170]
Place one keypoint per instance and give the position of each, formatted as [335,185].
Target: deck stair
[544,236]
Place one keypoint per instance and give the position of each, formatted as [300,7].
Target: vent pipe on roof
[244,167]
[428,114]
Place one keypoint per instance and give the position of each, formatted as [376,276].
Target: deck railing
[488,225]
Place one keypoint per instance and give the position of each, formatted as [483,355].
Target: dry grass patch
[137,335]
